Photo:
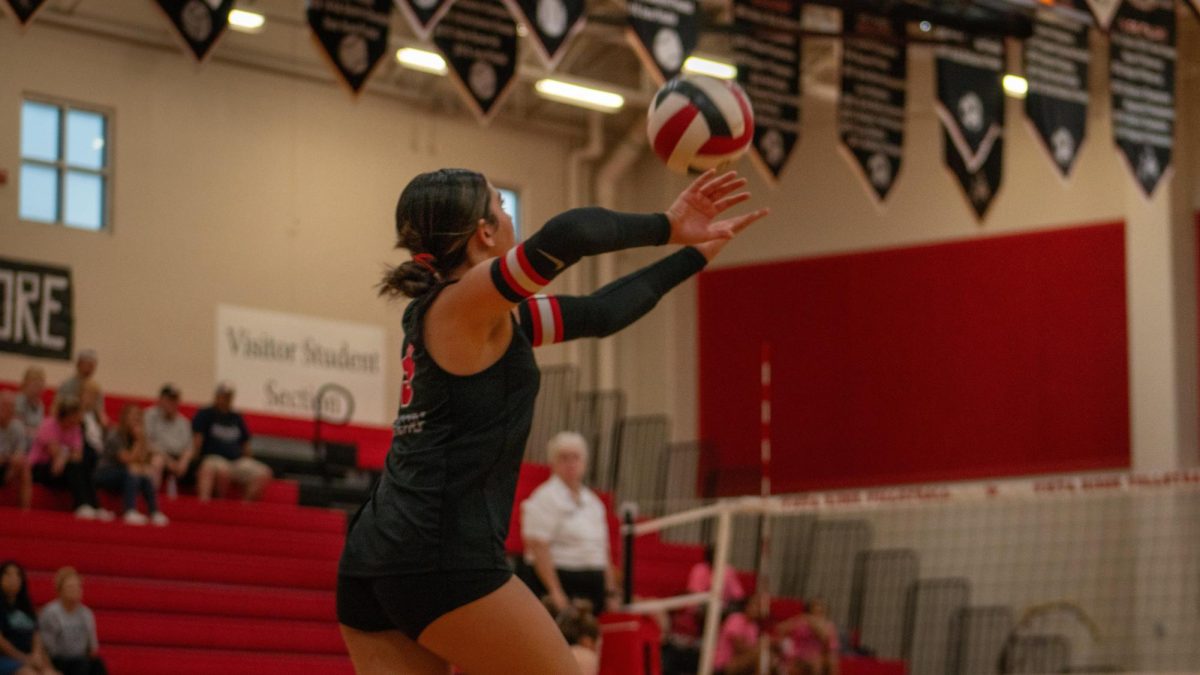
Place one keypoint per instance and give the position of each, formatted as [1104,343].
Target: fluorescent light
[702,66]
[246,22]
[419,59]
[585,97]
[1015,86]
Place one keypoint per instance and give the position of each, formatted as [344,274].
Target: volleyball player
[423,581]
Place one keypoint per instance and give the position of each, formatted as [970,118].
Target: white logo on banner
[278,362]
[552,17]
[880,170]
[668,49]
[197,21]
[970,111]
[1064,146]
[353,54]
[482,80]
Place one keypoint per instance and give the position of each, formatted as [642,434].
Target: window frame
[518,226]
[62,168]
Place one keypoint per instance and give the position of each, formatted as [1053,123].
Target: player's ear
[485,232]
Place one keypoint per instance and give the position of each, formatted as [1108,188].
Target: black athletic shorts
[410,602]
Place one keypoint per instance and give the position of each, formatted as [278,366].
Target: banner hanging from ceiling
[970,104]
[873,95]
[199,23]
[479,40]
[1056,66]
[766,50]
[551,24]
[25,10]
[663,33]
[423,15]
[352,35]
[1142,84]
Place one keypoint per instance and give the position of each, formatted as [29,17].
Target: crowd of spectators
[59,640]
[72,445]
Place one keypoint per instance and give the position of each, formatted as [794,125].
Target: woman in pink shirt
[811,642]
[57,459]
[700,579]
[737,650]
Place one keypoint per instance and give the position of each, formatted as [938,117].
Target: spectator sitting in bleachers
[72,387]
[14,442]
[125,467]
[579,626]
[21,651]
[169,434]
[737,651]
[810,642]
[700,579]
[222,441]
[93,423]
[29,404]
[57,459]
[565,528]
[68,628]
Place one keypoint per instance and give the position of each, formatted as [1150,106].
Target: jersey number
[410,369]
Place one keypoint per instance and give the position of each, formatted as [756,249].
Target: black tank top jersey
[446,493]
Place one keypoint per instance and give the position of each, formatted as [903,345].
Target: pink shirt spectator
[50,433]
[810,644]
[737,628]
[700,580]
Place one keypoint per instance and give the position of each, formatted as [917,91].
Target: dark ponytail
[436,216]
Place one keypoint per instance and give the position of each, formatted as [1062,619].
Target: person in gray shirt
[72,387]
[30,408]
[69,629]
[14,442]
[169,434]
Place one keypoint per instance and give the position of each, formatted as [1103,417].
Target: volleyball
[697,122]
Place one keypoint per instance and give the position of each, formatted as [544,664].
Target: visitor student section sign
[278,362]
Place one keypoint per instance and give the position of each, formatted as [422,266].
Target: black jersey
[446,493]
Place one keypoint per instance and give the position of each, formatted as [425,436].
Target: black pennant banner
[552,23]
[970,104]
[766,48]
[479,40]
[1056,65]
[874,90]
[663,33]
[199,22]
[26,9]
[1142,81]
[352,35]
[423,15]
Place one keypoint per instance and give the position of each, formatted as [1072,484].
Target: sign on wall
[200,23]
[36,316]
[874,91]
[766,47]
[479,40]
[663,33]
[1056,64]
[352,35]
[1142,83]
[26,9]
[278,362]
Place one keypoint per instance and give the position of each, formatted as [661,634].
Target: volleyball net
[1085,573]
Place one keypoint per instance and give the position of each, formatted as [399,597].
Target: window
[512,206]
[66,175]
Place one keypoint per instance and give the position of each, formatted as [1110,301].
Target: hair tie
[427,261]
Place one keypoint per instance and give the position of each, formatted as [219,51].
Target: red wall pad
[992,357]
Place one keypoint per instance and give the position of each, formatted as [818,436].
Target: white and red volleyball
[697,123]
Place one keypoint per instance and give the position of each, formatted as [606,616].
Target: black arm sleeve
[568,237]
[559,318]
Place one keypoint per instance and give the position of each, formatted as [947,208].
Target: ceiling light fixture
[422,60]
[575,94]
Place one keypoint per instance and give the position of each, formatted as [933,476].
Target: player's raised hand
[710,249]
[694,212]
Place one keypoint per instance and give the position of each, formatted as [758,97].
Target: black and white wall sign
[551,24]
[970,104]
[36,316]
[479,40]
[1056,65]
[766,49]
[663,33]
[1142,81]
[199,22]
[423,15]
[24,10]
[353,34]
[874,90]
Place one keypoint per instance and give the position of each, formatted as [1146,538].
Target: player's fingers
[725,203]
[703,179]
[720,181]
[742,222]
[727,188]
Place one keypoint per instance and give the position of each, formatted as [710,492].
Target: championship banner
[36,314]
[874,91]
[1142,81]
[663,33]
[1103,11]
[551,23]
[766,49]
[1056,65]
[423,15]
[970,104]
[200,23]
[479,40]
[279,362]
[25,10]
[352,35]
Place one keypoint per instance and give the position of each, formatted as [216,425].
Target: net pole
[764,529]
[712,620]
